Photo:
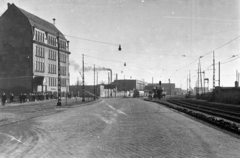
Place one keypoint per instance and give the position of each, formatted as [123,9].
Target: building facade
[129,85]
[29,53]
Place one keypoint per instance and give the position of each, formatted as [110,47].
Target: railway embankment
[225,116]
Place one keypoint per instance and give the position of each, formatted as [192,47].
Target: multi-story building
[29,53]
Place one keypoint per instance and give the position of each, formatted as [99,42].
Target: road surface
[115,128]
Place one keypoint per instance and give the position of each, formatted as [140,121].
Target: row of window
[39,36]
[53,82]
[40,51]
[40,67]
[52,69]
[52,55]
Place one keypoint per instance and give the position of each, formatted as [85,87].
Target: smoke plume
[77,67]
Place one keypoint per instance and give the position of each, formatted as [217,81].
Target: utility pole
[189,80]
[169,86]
[124,86]
[83,97]
[94,83]
[200,75]
[187,83]
[219,74]
[213,71]
[108,84]
[203,82]
[59,73]
[198,80]
[97,77]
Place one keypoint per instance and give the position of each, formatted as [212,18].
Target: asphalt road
[116,128]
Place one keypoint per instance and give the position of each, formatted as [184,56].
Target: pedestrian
[20,98]
[4,98]
[11,97]
[34,96]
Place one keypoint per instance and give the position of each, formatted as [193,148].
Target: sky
[160,39]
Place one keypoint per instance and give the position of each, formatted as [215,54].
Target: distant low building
[129,85]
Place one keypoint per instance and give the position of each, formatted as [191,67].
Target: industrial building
[29,53]
[129,85]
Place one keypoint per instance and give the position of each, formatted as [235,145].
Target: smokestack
[110,75]
[54,21]
[116,76]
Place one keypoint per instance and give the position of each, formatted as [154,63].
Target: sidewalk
[12,113]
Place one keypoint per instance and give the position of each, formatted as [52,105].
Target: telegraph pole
[213,71]
[59,74]
[94,82]
[198,81]
[83,97]
[219,74]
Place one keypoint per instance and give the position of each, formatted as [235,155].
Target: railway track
[229,112]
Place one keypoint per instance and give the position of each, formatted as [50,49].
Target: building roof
[41,24]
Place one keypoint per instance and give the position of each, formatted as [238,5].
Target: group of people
[23,97]
[4,98]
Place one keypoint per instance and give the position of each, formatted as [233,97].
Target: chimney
[54,21]
[236,84]
[8,5]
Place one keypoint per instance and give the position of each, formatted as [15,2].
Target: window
[52,40]
[63,58]
[51,69]
[63,82]
[39,36]
[52,55]
[40,51]
[40,66]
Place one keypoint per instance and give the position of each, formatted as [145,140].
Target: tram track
[230,113]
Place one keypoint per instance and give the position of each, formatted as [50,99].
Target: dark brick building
[29,54]
[129,85]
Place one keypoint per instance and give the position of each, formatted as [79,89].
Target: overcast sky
[159,38]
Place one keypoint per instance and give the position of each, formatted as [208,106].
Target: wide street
[115,128]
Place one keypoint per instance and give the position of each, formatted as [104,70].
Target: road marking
[13,138]
[119,111]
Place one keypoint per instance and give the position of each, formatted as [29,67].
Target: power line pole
[83,97]
[219,74]
[200,75]
[59,73]
[198,80]
[94,82]
[189,80]
[213,71]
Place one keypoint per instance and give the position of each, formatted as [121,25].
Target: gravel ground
[116,128]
